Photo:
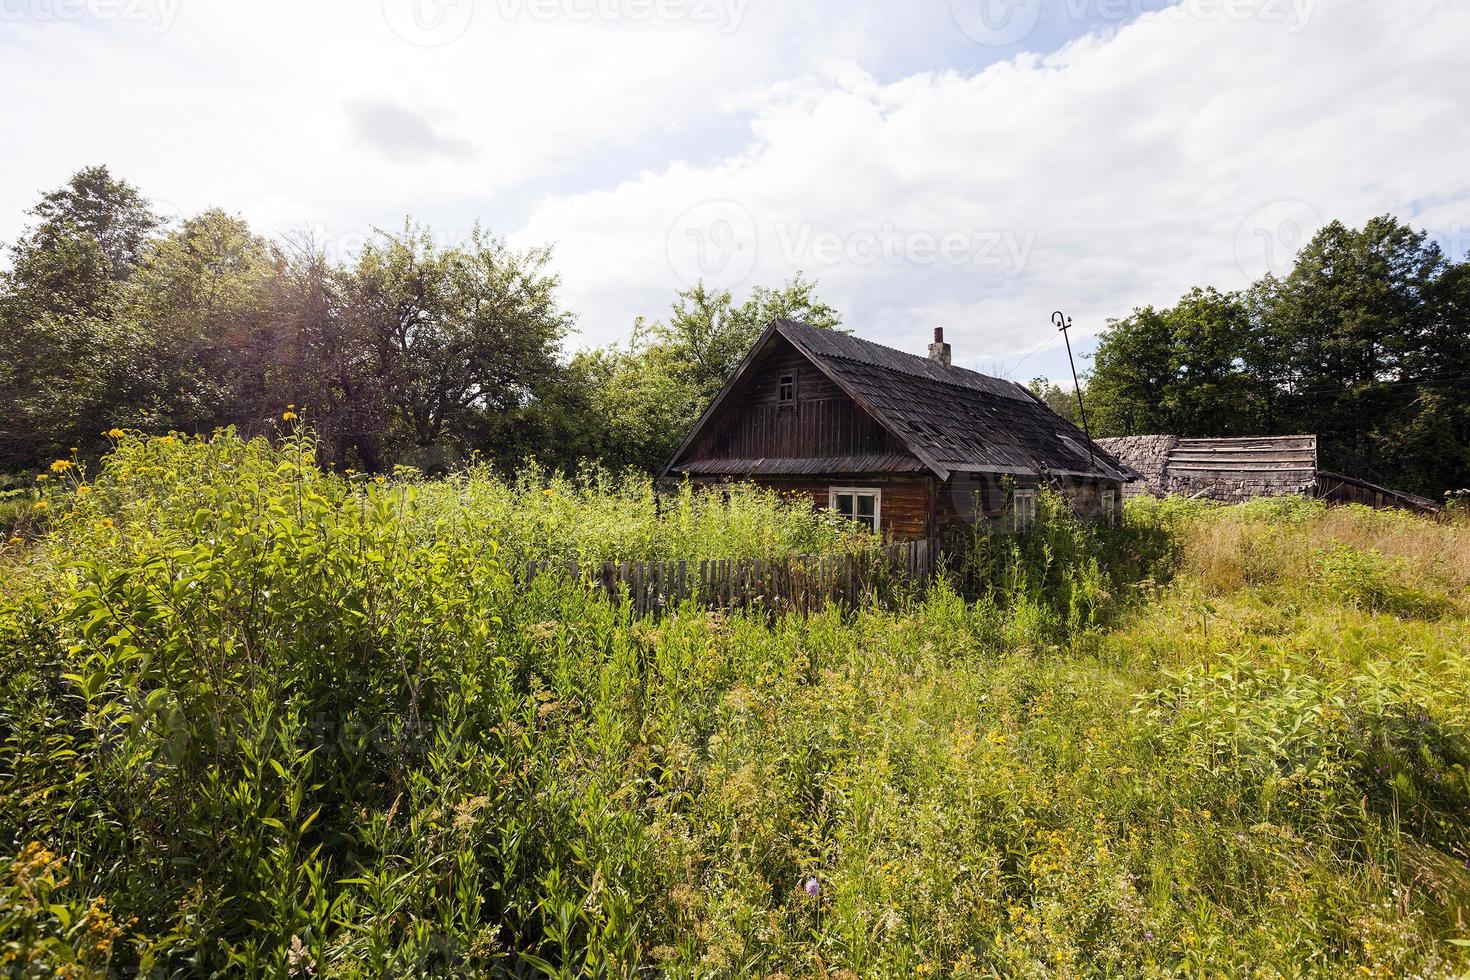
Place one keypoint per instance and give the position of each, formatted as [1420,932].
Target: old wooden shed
[909,445]
[1236,468]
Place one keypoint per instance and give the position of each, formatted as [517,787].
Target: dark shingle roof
[955,419]
[830,344]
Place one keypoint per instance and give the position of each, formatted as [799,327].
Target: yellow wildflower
[288,416]
[380,480]
[62,465]
[83,490]
[35,864]
[114,433]
[106,522]
[42,477]
[42,505]
[102,931]
[549,492]
[17,541]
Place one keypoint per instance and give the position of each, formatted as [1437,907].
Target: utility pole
[1062,322]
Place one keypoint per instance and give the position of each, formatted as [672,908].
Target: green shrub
[1065,573]
[1369,580]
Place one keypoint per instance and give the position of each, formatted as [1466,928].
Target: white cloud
[263,106]
[1120,169]
[1125,168]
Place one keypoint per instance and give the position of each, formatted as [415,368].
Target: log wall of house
[966,498]
[906,504]
[820,421]
[973,498]
[921,506]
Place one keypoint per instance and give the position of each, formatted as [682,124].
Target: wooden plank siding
[905,511]
[1339,489]
[1244,463]
[923,507]
[821,421]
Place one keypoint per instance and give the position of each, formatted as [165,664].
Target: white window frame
[875,492]
[781,386]
[1023,517]
[1110,504]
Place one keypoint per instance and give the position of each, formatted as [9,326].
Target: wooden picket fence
[802,583]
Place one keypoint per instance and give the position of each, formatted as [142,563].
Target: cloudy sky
[972,164]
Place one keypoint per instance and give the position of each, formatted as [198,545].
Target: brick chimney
[939,350]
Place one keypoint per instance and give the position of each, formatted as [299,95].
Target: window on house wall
[861,504]
[1023,509]
[1110,506]
[786,389]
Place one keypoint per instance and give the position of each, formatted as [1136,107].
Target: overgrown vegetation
[263,720]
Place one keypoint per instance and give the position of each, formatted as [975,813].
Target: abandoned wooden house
[908,445]
[1236,468]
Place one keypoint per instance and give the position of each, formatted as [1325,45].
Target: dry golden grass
[1440,549]
[1229,549]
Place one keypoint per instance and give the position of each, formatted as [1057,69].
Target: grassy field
[259,720]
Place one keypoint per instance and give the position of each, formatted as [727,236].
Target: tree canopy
[412,352]
[423,353]
[1363,343]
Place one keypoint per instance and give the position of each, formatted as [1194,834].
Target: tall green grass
[262,721]
[596,515]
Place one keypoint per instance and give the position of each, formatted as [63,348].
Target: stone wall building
[1244,467]
[1149,457]
[1226,469]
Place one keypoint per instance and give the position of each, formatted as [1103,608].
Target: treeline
[412,352]
[420,353]
[1365,342]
